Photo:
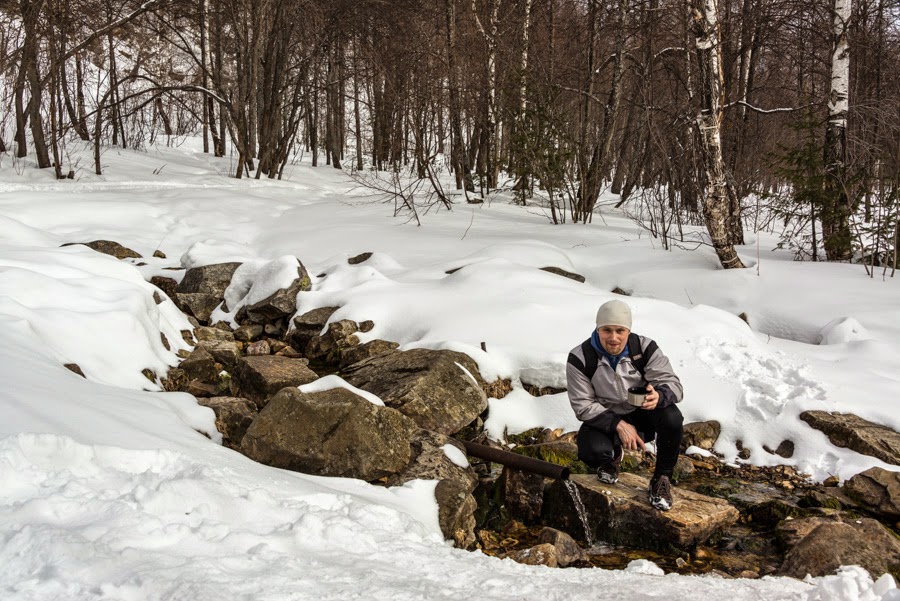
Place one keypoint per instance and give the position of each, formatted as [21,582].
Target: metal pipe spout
[516,461]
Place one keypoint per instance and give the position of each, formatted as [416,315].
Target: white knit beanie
[614,313]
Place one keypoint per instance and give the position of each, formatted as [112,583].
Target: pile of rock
[249,376]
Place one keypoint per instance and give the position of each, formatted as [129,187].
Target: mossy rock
[526,438]
[557,453]
[816,498]
[771,512]
[721,488]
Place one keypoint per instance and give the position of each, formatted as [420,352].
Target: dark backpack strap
[589,366]
[639,356]
[590,359]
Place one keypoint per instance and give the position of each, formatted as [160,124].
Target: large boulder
[233,417]
[330,433]
[878,490]
[258,378]
[453,492]
[621,513]
[853,432]
[439,390]
[862,542]
[279,304]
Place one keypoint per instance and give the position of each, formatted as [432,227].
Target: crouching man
[600,373]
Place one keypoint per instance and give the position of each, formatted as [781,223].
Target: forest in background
[730,114]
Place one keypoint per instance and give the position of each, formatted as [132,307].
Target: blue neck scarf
[613,359]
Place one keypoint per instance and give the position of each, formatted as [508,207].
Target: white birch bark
[716,199]
[836,209]
[839,98]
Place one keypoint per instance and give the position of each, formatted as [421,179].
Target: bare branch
[766,111]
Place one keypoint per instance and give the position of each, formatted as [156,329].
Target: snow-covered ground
[110,491]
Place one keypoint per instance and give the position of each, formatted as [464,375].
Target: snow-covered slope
[109,491]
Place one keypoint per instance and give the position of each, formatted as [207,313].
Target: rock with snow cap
[330,433]
[279,305]
[309,325]
[339,336]
[208,279]
[853,432]
[109,247]
[453,492]
[440,390]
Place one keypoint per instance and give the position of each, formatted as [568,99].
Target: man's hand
[651,400]
[629,436]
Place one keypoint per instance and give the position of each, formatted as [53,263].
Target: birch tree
[836,210]
[718,195]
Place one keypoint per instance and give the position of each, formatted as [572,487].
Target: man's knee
[671,419]
[595,448]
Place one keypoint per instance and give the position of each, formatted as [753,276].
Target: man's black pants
[597,448]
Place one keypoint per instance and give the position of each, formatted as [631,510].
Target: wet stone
[621,513]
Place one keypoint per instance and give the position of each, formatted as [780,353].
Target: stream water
[582,512]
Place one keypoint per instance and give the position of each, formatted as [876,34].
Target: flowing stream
[582,513]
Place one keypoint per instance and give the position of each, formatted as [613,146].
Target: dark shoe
[609,473]
[661,493]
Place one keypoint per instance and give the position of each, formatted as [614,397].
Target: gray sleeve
[659,372]
[584,401]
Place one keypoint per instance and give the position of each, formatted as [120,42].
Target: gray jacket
[601,401]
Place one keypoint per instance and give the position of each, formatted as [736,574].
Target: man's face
[613,338]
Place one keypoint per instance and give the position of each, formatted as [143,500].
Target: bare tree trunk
[31,10]
[522,167]
[204,69]
[115,109]
[836,213]
[357,121]
[219,142]
[458,155]
[333,115]
[21,114]
[490,145]
[717,201]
